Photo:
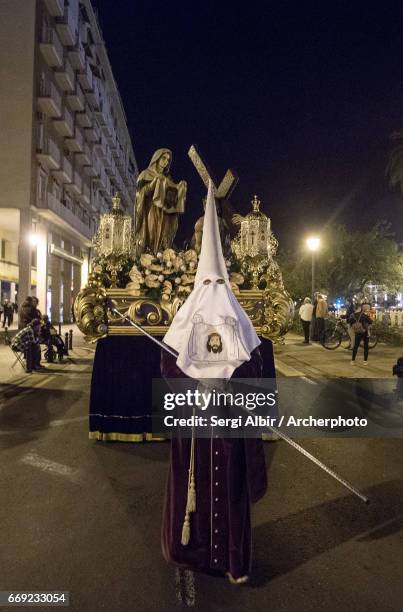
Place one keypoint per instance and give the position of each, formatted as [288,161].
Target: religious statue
[224,221]
[159,201]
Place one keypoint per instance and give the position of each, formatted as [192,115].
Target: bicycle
[335,335]
[338,334]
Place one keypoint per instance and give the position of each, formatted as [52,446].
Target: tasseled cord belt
[191,496]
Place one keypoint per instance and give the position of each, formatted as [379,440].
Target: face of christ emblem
[214,343]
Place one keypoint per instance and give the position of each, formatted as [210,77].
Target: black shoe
[39,368]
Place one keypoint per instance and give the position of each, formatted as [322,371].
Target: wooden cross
[228,183]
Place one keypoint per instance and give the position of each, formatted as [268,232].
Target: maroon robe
[230,474]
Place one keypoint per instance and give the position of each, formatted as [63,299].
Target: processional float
[149,287]
[133,289]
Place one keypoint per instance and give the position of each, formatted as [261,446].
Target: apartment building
[65,148]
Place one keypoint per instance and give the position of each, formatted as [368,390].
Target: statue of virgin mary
[159,201]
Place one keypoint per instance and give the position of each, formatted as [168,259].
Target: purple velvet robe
[230,474]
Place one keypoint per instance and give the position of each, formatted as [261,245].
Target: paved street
[85,516]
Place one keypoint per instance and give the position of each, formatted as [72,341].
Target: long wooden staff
[274,430]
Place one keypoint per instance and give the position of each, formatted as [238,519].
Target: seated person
[49,333]
[27,342]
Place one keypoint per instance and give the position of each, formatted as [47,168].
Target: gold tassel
[186,530]
[191,493]
[191,502]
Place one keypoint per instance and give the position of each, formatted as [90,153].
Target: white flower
[169,264]
[177,280]
[159,255]
[161,278]
[183,268]
[146,259]
[147,272]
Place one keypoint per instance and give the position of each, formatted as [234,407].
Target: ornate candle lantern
[255,230]
[252,245]
[114,236]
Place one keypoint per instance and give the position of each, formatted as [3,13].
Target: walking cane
[279,433]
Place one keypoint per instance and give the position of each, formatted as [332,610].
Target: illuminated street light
[34,239]
[313,244]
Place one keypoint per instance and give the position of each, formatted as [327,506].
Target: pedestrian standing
[305,312]
[321,315]
[35,303]
[350,311]
[8,313]
[314,335]
[360,323]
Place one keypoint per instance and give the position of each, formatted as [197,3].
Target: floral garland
[169,274]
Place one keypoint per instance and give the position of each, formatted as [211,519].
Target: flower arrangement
[168,274]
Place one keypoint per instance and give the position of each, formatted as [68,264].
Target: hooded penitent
[211,332]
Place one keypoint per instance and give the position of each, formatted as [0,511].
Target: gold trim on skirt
[121,437]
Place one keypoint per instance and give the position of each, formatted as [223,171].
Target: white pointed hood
[211,332]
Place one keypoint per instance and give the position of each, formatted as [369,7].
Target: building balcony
[75,144]
[108,158]
[111,167]
[51,48]
[76,99]
[67,25]
[65,173]
[121,164]
[49,100]
[100,146]
[65,125]
[105,185]
[84,158]
[93,95]
[76,186]
[101,180]
[92,134]
[48,154]
[85,197]
[107,127]
[77,57]
[94,168]
[83,119]
[56,212]
[65,77]
[119,181]
[85,77]
[83,33]
[112,140]
[55,7]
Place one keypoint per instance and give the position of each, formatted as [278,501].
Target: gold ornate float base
[271,311]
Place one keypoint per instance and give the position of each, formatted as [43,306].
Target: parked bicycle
[337,334]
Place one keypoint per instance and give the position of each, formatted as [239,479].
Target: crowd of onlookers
[35,329]
[313,319]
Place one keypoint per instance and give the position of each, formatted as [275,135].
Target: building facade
[66,148]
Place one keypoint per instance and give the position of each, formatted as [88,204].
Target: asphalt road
[85,516]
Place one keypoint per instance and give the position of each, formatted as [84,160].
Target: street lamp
[34,239]
[313,244]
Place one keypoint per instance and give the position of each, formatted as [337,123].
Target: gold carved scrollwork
[271,312]
[90,312]
[278,314]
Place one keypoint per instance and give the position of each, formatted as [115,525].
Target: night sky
[300,98]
